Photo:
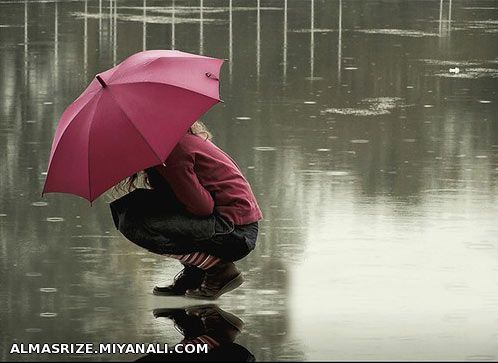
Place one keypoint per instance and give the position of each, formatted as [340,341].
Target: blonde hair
[142,178]
[198,128]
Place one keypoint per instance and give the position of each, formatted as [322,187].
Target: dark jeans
[160,225]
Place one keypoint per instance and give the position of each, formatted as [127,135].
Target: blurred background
[368,130]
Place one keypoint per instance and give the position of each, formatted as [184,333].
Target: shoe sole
[229,286]
[159,293]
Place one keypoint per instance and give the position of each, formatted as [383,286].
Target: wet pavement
[368,130]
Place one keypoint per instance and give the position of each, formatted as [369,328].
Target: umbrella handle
[212,76]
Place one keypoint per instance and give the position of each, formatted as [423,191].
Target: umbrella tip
[101,81]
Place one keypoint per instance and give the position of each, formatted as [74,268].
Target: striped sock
[201,260]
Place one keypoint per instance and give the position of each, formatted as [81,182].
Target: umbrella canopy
[128,119]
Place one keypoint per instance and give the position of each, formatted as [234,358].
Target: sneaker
[218,280]
[190,277]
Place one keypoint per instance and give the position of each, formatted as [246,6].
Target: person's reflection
[205,324]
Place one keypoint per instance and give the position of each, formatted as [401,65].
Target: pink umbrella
[128,119]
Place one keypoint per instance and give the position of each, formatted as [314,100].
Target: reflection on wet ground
[368,130]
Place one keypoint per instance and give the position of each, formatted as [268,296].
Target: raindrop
[360,141]
[44,173]
[481,156]
[30,121]
[3,215]
[48,289]
[55,219]
[243,118]
[48,315]
[251,167]
[102,308]
[39,204]
[322,150]
[428,106]
[309,102]
[409,140]
[410,87]
[484,101]
[265,148]
[48,103]
[351,68]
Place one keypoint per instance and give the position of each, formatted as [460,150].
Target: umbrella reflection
[204,324]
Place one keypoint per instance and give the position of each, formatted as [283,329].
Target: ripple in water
[243,118]
[369,107]
[397,32]
[48,289]
[33,274]
[264,148]
[39,204]
[336,173]
[48,315]
[32,330]
[55,219]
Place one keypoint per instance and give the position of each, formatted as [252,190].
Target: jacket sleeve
[187,188]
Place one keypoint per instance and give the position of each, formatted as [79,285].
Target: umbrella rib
[168,85]
[88,148]
[136,128]
[153,60]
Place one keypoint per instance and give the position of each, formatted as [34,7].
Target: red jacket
[204,179]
